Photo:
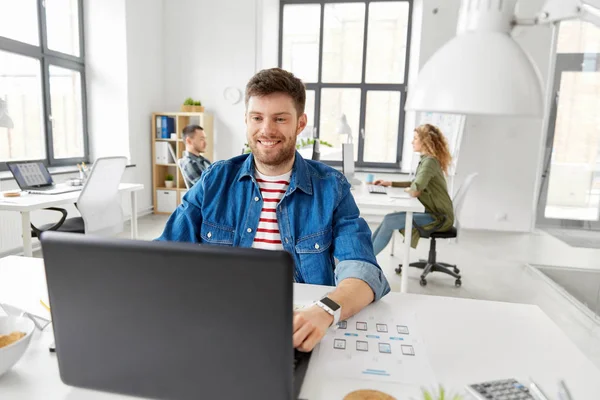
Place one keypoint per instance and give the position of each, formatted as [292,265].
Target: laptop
[168,320]
[33,177]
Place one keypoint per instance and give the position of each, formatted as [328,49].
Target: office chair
[99,202]
[187,183]
[432,265]
[316,153]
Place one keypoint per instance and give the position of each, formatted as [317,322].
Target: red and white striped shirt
[272,189]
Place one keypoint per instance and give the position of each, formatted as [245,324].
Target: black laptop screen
[30,174]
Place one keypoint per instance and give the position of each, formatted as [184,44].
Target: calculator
[377,189]
[505,389]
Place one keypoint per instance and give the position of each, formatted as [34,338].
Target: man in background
[193,164]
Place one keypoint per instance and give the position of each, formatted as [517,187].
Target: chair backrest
[316,152]
[461,194]
[100,202]
[187,183]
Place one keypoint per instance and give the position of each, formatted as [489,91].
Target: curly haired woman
[429,186]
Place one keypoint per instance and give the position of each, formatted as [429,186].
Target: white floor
[494,266]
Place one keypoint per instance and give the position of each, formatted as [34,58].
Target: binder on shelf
[158,127]
[172,158]
[170,127]
[164,132]
[161,152]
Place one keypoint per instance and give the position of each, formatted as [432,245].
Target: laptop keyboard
[300,367]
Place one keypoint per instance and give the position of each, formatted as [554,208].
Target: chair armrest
[55,226]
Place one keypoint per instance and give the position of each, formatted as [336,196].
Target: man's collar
[192,155]
[188,154]
[300,174]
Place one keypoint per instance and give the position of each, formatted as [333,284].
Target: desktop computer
[348,163]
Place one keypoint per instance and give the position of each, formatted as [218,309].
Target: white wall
[145,88]
[106,77]
[211,45]
[505,151]
[125,83]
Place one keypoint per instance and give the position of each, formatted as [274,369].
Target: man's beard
[285,154]
[197,150]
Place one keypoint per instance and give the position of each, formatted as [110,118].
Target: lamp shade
[481,71]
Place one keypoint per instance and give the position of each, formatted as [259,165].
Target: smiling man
[274,199]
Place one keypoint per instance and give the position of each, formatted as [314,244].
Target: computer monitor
[348,163]
[168,320]
[30,174]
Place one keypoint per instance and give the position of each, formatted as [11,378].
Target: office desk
[32,202]
[467,341]
[382,204]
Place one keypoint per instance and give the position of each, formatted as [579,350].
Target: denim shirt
[318,219]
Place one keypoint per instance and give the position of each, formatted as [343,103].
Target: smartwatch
[331,307]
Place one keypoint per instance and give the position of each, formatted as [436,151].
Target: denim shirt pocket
[212,233]
[315,259]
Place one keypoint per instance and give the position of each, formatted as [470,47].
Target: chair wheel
[423,282]
[458,283]
[456,270]
[398,270]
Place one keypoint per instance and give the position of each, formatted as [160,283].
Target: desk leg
[406,261]
[134,216]
[26,226]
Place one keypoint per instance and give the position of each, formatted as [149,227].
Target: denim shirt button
[317,246]
[256,198]
[209,235]
[286,240]
[249,230]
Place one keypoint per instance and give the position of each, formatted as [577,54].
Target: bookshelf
[165,200]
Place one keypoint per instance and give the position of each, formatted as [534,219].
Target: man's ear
[302,121]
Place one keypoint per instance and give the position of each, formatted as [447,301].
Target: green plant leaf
[197,103]
[169,177]
[188,102]
[427,395]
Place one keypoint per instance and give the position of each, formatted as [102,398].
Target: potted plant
[197,106]
[188,105]
[169,181]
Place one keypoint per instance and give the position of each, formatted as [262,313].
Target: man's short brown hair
[277,80]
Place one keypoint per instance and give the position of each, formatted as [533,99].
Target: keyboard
[506,389]
[300,366]
[56,189]
[377,189]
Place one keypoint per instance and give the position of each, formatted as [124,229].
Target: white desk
[385,204]
[32,202]
[467,341]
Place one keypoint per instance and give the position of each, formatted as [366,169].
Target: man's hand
[310,325]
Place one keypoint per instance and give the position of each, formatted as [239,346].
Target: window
[353,57]
[571,180]
[42,75]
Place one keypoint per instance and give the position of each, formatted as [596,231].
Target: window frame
[363,86]
[48,57]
